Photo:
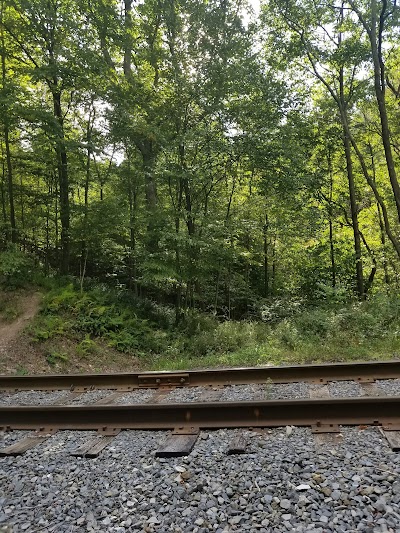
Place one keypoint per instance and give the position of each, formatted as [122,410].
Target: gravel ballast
[134,397]
[285,483]
[31,398]
[390,387]
[345,389]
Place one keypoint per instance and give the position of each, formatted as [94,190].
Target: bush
[280,309]
[47,327]
[16,268]
[86,347]
[54,356]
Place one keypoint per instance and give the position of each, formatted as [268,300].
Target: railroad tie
[28,442]
[95,445]
[179,443]
[92,448]
[238,444]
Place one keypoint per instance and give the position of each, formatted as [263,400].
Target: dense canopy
[201,154]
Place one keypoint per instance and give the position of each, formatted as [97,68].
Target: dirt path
[9,331]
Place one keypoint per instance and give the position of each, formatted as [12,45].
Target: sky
[256,5]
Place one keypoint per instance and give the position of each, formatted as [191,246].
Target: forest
[208,156]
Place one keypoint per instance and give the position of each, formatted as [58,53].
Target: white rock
[302,487]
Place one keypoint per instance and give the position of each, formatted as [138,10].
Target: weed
[269,384]
[86,347]
[46,327]
[54,356]
[9,314]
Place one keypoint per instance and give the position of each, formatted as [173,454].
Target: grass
[276,352]
[110,329]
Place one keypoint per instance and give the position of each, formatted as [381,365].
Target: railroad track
[157,408]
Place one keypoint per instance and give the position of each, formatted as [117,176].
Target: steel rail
[321,373]
[345,411]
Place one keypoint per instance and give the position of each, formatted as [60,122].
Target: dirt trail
[9,331]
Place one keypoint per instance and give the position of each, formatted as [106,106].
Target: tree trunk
[354,216]
[6,122]
[178,295]
[63,182]
[274,266]
[350,178]
[3,192]
[266,266]
[381,224]
[380,89]
[375,34]
[132,197]
[393,239]
[128,39]
[331,239]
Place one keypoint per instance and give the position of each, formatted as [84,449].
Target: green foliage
[10,312]
[328,331]
[16,268]
[280,308]
[204,179]
[86,347]
[54,357]
[48,326]
[97,313]
[21,371]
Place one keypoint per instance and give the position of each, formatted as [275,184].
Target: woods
[202,155]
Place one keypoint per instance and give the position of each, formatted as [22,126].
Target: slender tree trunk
[178,295]
[370,280]
[132,197]
[128,38]
[6,131]
[354,217]
[63,183]
[3,186]
[266,266]
[393,239]
[350,178]
[331,238]
[89,130]
[56,217]
[375,33]
[383,242]
[381,224]
[274,266]
[332,253]
[47,256]
[150,184]
[149,159]
[13,225]
[380,89]
[22,207]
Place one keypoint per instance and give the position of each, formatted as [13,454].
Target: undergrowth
[146,331]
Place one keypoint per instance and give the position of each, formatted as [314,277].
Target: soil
[29,306]
[19,354]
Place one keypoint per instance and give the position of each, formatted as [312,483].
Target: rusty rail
[383,411]
[321,373]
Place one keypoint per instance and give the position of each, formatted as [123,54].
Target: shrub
[54,356]
[48,326]
[16,268]
[86,346]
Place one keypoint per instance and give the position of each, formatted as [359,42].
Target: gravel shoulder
[285,483]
